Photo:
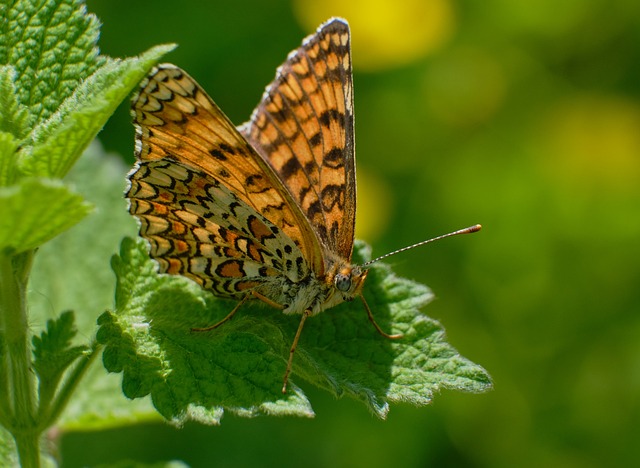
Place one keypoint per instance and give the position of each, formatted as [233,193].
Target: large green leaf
[239,366]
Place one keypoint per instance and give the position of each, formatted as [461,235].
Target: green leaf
[35,211]
[13,126]
[8,158]
[60,140]
[239,366]
[53,351]
[7,449]
[13,114]
[52,46]
[64,90]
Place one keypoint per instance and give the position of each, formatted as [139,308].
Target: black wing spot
[227,149]
[316,139]
[290,168]
[332,195]
[219,155]
[331,114]
[334,158]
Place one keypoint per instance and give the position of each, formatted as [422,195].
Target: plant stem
[28,444]
[16,353]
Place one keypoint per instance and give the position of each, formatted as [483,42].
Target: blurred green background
[522,116]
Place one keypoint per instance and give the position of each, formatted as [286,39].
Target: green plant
[56,92]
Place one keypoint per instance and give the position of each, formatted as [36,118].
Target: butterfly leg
[268,301]
[228,317]
[294,345]
[292,351]
[373,321]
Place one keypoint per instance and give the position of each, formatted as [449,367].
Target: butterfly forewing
[176,120]
[304,128]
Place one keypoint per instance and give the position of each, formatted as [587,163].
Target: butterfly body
[248,253]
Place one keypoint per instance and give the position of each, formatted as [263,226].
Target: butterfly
[264,211]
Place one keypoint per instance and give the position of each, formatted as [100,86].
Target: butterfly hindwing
[198,228]
[304,128]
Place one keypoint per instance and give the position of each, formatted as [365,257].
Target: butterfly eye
[343,282]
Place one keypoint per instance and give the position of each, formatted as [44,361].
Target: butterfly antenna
[468,230]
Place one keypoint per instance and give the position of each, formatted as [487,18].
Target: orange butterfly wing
[304,128]
[175,119]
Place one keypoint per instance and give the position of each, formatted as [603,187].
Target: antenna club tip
[468,230]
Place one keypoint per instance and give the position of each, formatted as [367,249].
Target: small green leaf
[8,158]
[13,114]
[52,46]
[7,449]
[53,350]
[239,366]
[35,211]
[59,141]
[13,126]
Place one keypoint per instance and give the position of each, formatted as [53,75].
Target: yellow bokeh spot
[385,33]
[374,206]
[594,140]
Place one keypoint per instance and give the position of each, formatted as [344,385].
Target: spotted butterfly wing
[198,228]
[182,141]
[304,128]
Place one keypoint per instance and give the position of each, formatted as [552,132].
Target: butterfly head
[348,281]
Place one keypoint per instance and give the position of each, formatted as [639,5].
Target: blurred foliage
[524,116]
